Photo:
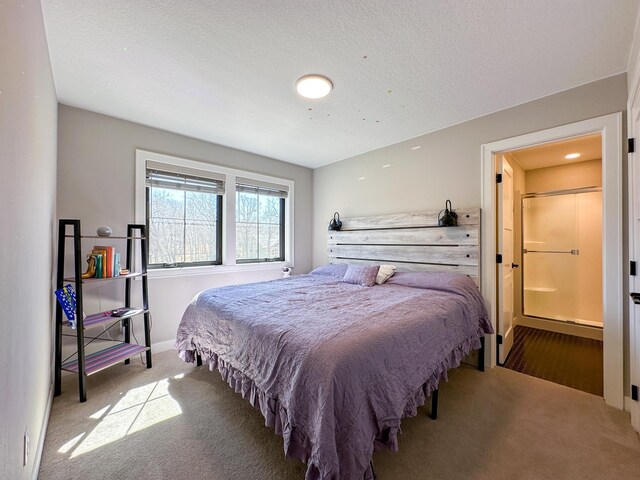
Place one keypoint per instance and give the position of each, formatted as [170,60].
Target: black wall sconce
[447,217]
[335,223]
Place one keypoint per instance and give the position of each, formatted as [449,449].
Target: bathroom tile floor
[575,362]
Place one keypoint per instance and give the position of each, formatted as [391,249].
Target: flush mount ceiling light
[314,86]
[571,156]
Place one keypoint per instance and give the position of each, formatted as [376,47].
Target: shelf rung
[94,280]
[106,317]
[104,358]
[110,237]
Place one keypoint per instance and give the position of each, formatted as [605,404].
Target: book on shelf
[98,257]
[116,264]
[102,251]
[107,260]
[110,261]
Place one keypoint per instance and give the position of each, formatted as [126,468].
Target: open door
[505,249]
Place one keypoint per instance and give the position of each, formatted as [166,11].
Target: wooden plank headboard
[412,241]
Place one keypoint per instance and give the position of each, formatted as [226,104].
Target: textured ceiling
[552,154]
[224,71]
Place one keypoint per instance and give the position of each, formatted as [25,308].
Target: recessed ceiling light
[572,156]
[417,147]
[362,178]
[386,165]
[314,86]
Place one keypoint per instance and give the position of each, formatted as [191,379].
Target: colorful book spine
[109,261]
[98,264]
[116,264]
[104,251]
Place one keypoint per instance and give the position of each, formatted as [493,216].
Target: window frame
[283,241]
[219,237]
[228,224]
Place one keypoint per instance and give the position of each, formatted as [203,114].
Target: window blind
[183,178]
[247,185]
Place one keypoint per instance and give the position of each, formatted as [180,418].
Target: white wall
[28,109]
[96,184]
[447,165]
[633,69]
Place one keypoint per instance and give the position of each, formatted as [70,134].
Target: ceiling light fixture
[314,86]
[571,156]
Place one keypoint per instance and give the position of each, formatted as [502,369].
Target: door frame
[633,126]
[610,127]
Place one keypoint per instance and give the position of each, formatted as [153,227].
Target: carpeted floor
[177,421]
[565,359]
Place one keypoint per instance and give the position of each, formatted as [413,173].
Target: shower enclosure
[562,255]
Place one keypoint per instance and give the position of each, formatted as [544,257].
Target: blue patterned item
[67,298]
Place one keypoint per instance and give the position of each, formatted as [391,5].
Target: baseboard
[43,434]
[629,405]
[162,346]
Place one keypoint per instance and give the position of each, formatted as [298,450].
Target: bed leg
[434,405]
[481,355]
[198,360]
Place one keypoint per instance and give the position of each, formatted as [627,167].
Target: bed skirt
[296,443]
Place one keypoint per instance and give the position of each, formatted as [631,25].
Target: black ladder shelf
[88,364]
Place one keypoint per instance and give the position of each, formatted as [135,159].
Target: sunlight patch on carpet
[70,444]
[139,408]
[100,413]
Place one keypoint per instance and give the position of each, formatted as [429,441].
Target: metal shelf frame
[84,364]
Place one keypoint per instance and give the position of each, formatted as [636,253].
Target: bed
[334,366]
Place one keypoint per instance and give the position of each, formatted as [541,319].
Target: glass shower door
[550,253]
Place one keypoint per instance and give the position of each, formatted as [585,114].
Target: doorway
[610,129]
[550,208]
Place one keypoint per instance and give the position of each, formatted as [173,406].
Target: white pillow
[385,273]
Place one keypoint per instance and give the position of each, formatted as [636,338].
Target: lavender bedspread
[332,366]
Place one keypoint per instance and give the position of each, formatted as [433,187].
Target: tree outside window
[184,222]
[259,226]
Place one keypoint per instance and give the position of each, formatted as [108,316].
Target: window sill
[215,269]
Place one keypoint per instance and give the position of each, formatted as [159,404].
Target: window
[203,218]
[260,221]
[184,216]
